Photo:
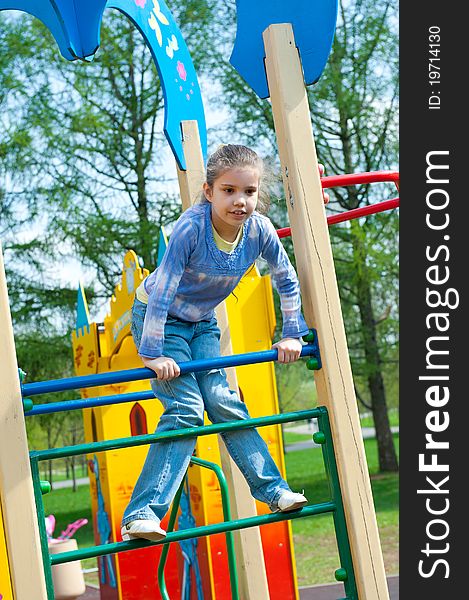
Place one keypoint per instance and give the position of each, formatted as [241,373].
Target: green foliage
[84,168]
[83,177]
[295,386]
[354,115]
[316,562]
[68,506]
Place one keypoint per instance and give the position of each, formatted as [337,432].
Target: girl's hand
[289,350]
[325,195]
[164,367]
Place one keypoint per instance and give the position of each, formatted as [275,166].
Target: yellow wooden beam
[16,487]
[321,301]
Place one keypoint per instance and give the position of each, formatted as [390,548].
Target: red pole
[356,179]
[360,178]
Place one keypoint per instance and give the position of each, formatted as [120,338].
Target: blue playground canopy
[313,24]
[76,25]
[76,29]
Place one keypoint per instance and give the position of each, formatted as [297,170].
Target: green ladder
[323,437]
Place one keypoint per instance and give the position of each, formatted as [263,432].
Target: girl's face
[233,197]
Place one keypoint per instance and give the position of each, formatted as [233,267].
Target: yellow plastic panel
[117,322]
[6,592]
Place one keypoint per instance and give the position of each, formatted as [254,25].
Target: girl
[213,244]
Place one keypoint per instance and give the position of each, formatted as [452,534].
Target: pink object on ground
[72,528]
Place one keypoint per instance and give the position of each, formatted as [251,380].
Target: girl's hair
[233,156]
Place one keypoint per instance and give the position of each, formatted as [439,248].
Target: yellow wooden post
[16,488]
[249,554]
[321,300]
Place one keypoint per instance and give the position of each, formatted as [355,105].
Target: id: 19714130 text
[434,72]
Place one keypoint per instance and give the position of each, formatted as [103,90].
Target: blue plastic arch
[313,24]
[182,97]
[76,29]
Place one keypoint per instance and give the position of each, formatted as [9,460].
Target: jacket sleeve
[162,286]
[285,281]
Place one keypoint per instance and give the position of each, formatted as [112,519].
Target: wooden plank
[191,180]
[321,301]
[16,487]
[249,555]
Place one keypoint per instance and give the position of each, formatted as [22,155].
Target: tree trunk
[386,451]
[72,460]
[49,462]
[74,477]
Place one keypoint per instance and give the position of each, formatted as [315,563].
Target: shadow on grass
[305,470]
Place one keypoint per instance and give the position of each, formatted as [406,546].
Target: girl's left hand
[325,195]
[289,350]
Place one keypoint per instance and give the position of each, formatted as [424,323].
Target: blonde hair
[234,156]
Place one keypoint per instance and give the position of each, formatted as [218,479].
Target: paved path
[69,483]
[336,590]
[367,432]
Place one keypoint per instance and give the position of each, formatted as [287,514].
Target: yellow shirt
[223,245]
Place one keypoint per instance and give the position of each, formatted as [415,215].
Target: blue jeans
[184,400]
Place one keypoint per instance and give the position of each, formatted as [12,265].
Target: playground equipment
[76,31]
[110,348]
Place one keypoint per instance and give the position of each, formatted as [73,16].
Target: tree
[90,174]
[353,110]
[98,149]
[81,178]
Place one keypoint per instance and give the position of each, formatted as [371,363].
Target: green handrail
[186,534]
[42,528]
[335,506]
[225,500]
[141,440]
[346,573]
[164,552]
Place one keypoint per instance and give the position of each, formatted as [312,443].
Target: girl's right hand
[325,195]
[164,367]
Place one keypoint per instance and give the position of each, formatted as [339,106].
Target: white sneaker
[147,529]
[290,501]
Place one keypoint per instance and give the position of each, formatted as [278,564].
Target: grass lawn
[393,413]
[290,437]
[315,546]
[314,538]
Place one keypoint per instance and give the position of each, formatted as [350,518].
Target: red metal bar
[356,179]
[363,211]
[360,178]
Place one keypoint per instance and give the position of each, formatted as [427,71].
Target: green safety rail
[229,534]
[323,437]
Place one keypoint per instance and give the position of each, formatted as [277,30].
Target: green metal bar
[42,528]
[164,553]
[186,534]
[229,535]
[345,554]
[141,440]
[225,500]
